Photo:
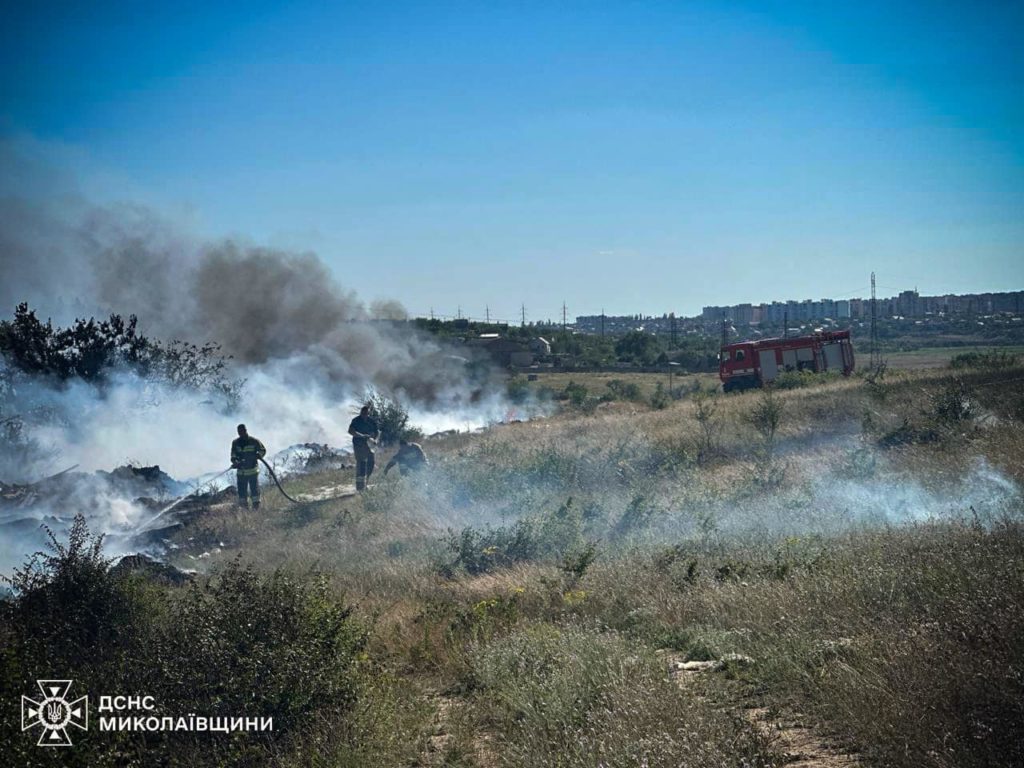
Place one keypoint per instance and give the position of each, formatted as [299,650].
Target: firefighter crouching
[364,432]
[246,451]
[410,457]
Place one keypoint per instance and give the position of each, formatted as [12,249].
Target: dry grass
[597,382]
[870,563]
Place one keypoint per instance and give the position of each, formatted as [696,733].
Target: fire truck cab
[748,364]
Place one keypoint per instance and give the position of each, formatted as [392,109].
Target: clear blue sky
[626,156]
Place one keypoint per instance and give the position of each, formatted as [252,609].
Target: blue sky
[627,156]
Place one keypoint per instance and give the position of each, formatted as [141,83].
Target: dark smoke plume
[69,258]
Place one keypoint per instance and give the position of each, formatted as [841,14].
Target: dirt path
[436,746]
[445,742]
[799,745]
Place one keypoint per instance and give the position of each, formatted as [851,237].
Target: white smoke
[306,347]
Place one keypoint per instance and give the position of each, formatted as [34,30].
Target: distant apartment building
[907,303]
[743,314]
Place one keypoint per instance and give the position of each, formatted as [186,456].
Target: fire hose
[178,501]
[175,503]
[278,484]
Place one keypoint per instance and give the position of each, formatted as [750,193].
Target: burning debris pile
[137,507]
[152,570]
[115,499]
[14,496]
[143,482]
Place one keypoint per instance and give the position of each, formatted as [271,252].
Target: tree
[637,347]
[90,350]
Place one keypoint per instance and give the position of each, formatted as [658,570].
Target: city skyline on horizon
[551,319]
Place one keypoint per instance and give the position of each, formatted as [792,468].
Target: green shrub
[624,390]
[953,403]
[705,413]
[993,359]
[661,397]
[392,418]
[765,417]
[484,550]
[575,393]
[517,389]
[551,537]
[241,644]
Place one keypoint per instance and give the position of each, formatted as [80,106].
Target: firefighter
[410,457]
[246,451]
[364,433]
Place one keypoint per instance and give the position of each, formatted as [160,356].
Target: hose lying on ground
[278,484]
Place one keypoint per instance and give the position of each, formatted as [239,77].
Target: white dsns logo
[54,713]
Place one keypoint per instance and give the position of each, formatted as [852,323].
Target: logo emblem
[54,713]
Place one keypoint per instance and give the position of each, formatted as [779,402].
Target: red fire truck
[749,364]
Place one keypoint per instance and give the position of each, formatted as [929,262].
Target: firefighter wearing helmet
[246,451]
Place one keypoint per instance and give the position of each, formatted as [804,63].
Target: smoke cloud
[305,346]
[72,258]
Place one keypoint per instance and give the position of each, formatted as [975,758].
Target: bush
[624,390]
[479,551]
[271,645]
[242,644]
[765,417]
[575,393]
[555,536]
[661,397]
[392,418]
[993,359]
[705,413]
[953,403]
[518,389]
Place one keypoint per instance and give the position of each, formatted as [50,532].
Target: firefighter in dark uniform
[246,451]
[410,457]
[364,433]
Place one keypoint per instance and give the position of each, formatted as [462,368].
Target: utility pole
[563,317]
[874,326]
[487,313]
[672,319]
[523,308]
[459,312]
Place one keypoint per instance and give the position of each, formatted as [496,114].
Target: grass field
[935,357]
[597,382]
[846,557]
